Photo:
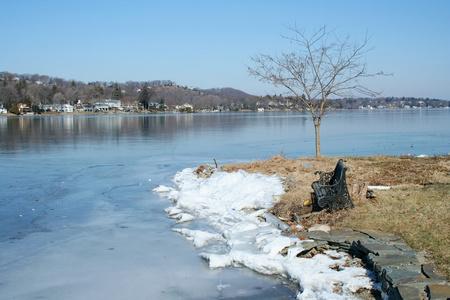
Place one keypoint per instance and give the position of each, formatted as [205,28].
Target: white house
[184,107]
[101,107]
[117,104]
[57,107]
[66,108]
[47,107]
[108,104]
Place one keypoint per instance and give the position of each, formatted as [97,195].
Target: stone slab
[402,247]
[405,292]
[308,245]
[438,292]
[381,235]
[346,236]
[392,276]
[405,264]
[316,235]
[419,283]
[372,246]
[428,271]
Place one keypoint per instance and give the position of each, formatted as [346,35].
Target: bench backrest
[338,172]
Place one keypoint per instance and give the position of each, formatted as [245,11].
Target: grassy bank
[416,208]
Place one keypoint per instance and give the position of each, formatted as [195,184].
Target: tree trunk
[317,129]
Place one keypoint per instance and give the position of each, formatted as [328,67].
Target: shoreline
[200,112]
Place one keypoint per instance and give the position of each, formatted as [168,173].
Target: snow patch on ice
[161,189]
[199,238]
[184,218]
[233,205]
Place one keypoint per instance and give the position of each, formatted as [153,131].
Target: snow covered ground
[223,217]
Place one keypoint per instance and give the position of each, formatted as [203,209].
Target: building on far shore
[107,105]
[66,108]
[56,107]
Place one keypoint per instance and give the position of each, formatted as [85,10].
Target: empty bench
[331,188]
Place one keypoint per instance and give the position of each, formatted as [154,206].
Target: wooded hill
[35,89]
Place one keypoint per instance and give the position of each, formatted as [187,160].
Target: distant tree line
[34,89]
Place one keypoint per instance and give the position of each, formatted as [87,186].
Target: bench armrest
[325,177]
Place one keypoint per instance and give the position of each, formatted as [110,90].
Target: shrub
[14,110]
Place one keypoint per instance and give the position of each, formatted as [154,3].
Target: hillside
[35,89]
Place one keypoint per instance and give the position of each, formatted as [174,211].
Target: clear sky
[207,44]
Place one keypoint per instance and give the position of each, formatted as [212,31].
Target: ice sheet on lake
[226,209]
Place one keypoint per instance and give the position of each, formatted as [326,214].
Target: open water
[78,219]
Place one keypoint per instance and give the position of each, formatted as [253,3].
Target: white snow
[226,209]
[199,238]
[379,187]
[162,189]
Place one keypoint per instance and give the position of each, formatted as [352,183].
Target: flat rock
[372,246]
[320,227]
[316,235]
[396,263]
[393,275]
[405,292]
[347,236]
[401,246]
[381,235]
[438,291]
[428,271]
[420,283]
[308,245]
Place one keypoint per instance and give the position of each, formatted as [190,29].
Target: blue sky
[207,44]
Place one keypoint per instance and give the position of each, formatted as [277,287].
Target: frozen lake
[79,219]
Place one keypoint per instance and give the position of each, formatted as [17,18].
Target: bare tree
[322,65]
[59,98]
[71,94]
[39,94]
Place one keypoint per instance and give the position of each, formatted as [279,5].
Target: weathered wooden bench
[331,189]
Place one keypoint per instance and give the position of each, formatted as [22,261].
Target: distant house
[80,107]
[3,110]
[56,107]
[24,109]
[108,105]
[185,108]
[47,107]
[66,108]
[101,107]
[114,104]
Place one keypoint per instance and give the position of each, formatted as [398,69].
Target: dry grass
[417,208]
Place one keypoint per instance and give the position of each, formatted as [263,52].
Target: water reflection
[356,132]
[24,132]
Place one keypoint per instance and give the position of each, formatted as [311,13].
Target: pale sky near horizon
[208,44]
